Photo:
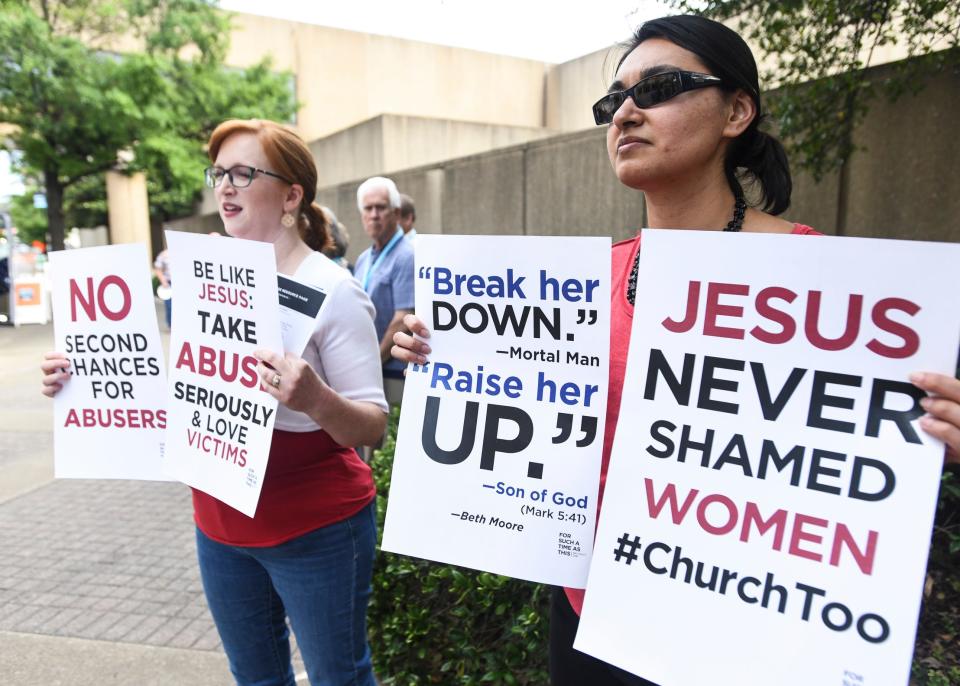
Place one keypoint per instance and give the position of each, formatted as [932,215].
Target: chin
[632,177]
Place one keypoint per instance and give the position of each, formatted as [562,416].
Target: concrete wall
[556,186]
[573,87]
[906,179]
[903,183]
[389,142]
[345,77]
[356,152]
[127,208]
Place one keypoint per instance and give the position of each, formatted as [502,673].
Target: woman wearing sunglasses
[308,552]
[682,117]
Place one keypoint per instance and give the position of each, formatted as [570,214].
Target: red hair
[290,158]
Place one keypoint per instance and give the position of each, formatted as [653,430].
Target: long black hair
[755,154]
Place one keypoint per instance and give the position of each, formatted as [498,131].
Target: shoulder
[405,250]
[804,230]
[623,250]
[345,296]
[404,257]
[320,271]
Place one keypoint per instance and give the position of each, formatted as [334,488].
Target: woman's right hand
[56,370]
[406,348]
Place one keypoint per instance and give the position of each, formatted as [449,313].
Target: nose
[226,186]
[627,115]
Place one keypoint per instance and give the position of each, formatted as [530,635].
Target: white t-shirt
[343,348]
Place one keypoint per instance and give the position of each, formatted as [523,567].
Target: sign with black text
[770,494]
[498,454]
[220,424]
[109,417]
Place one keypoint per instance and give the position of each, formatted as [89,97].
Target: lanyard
[383,253]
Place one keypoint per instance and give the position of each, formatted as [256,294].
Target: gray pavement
[99,584]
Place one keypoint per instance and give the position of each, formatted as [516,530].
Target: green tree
[75,104]
[826,45]
[31,222]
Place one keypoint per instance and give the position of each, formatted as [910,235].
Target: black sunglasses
[241,175]
[652,91]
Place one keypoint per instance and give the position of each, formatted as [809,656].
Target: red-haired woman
[308,553]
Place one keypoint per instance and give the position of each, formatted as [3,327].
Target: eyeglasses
[241,175]
[652,91]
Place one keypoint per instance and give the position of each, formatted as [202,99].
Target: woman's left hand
[943,409]
[291,381]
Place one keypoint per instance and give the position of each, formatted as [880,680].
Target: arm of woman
[349,422]
[406,347]
[943,410]
[56,371]
[340,384]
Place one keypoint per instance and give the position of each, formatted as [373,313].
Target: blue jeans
[321,580]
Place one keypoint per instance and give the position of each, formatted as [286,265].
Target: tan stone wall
[389,142]
[573,87]
[127,208]
[345,77]
[903,182]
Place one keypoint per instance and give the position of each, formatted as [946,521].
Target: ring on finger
[275,381]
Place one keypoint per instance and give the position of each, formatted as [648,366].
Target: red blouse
[310,482]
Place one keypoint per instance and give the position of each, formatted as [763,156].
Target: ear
[292,201]
[742,111]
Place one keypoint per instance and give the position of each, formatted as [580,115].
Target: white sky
[10,183]
[549,31]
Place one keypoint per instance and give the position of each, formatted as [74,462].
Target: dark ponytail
[314,227]
[759,158]
[755,156]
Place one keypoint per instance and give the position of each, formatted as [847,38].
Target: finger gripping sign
[770,494]
[220,424]
[498,453]
[110,416]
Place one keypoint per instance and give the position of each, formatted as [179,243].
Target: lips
[627,143]
[229,209]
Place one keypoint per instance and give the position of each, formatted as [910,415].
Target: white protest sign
[220,424]
[770,496]
[109,418]
[498,457]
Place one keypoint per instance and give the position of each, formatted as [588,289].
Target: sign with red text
[220,424]
[770,496]
[109,417]
[497,464]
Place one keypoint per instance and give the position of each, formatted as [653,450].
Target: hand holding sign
[410,349]
[943,408]
[56,372]
[290,380]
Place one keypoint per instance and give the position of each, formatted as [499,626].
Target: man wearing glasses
[385,270]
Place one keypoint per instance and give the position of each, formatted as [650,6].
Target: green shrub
[438,624]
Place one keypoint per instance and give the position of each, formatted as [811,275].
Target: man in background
[385,270]
[408,217]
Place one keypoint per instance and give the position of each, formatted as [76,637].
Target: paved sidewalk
[99,584]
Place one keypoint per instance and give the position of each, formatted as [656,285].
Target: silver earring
[288,220]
